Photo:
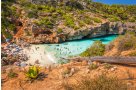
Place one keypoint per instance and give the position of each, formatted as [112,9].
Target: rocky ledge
[39,36]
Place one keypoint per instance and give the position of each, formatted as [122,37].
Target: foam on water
[49,53]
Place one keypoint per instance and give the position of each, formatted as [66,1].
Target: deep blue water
[117,1]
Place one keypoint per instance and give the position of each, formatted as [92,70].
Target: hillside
[107,62]
[57,21]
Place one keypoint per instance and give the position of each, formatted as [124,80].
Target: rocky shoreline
[107,28]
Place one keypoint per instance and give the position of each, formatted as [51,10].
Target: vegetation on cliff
[60,15]
[8,13]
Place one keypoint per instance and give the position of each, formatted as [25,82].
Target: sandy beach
[39,55]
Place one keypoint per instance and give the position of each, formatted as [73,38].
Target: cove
[51,53]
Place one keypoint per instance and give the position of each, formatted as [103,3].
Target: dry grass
[107,66]
[130,75]
[101,82]
[93,66]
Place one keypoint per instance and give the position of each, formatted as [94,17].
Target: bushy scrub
[132,19]
[123,43]
[123,12]
[93,66]
[28,5]
[47,22]
[81,23]
[69,20]
[113,18]
[33,14]
[107,66]
[88,20]
[12,74]
[7,25]
[101,82]
[127,42]
[132,54]
[96,20]
[97,49]
[60,30]
[60,11]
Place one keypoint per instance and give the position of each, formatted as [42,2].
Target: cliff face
[38,36]
[56,21]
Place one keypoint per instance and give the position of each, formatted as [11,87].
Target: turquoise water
[73,48]
[50,54]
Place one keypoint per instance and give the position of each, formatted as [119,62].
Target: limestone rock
[39,35]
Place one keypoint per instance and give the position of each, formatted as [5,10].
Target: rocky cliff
[56,21]
[38,36]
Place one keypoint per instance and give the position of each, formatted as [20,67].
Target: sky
[117,1]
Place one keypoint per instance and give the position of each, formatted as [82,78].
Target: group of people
[66,51]
[13,52]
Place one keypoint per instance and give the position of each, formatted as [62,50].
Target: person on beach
[35,48]
[44,52]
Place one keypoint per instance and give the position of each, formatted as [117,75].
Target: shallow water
[50,53]
[76,47]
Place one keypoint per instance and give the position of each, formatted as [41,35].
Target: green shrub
[97,20]
[97,49]
[14,11]
[47,22]
[76,27]
[132,54]
[81,23]
[28,5]
[123,16]
[132,19]
[52,9]
[114,19]
[60,30]
[7,27]
[33,72]
[69,20]
[101,82]
[12,74]
[93,66]
[60,11]
[107,66]
[87,20]
[33,14]
[128,44]
[67,71]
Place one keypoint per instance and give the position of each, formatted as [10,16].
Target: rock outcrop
[38,35]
